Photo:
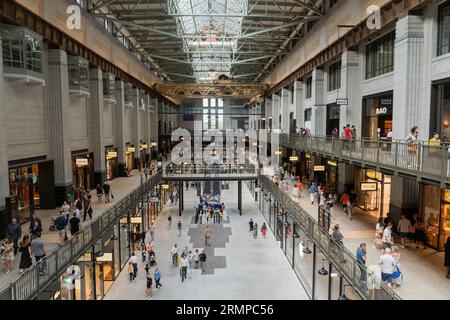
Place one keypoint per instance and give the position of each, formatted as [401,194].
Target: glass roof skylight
[210,30]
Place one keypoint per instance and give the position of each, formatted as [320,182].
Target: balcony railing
[370,289]
[224,171]
[32,282]
[420,159]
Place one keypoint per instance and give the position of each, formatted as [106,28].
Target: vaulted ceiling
[197,41]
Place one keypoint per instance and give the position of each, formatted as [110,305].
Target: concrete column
[4,172]
[299,104]
[240,197]
[346,177]
[96,124]
[148,136]
[408,110]
[284,110]
[319,111]
[276,106]
[57,109]
[351,89]
[268,111]
[120,125]
[135,126]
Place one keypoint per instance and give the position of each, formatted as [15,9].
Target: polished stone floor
[238,266]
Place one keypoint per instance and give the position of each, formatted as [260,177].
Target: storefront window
[377,114]
[440,121]
[373,192]
[308,88]
[333,112]
[23,184]
[289,225]
[444,29]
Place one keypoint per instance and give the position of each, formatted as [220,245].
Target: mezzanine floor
[120,188]
[238,267]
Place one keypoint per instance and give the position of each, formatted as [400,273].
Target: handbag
[412,148]
[396,274]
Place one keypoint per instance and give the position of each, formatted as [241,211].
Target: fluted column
[57,109]
[319,111]
[299,104]
[119,125]
[268,112]
[285,99]
[96,124]
[4,182]
[276,105]
[135,127]
[408,110]
[351,89]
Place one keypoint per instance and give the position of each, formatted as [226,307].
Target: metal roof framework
[196,41]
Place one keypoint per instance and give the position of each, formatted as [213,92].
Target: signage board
[154,199]
[319,168]
[342,102]
[131,149]
[386,102]
[111,155]
[144,146]
[294,158]
[136,220]
[308,156]
[369,186]
[332,163]
[165,186]
[81,162]
[258,189]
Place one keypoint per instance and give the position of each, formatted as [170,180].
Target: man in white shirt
[387,236]
[403,228]
[66,209]
[387,265]
[184,265]
[174,253]
[134,262]
[78,213]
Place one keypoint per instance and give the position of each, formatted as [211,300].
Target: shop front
[440,116]
[145,157]
[377,116]
[373,191]
[435,214]
[83,171]
[112,164]
[306,167]
[31,187]
[129,158]
[333,112]
[331,173]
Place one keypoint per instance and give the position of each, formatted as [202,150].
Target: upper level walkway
[421,161]
[213,172]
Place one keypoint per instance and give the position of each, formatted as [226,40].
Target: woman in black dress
[25,258]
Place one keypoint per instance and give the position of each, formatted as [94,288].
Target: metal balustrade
[222,171]
[29,284]
[343,260]
[420,160]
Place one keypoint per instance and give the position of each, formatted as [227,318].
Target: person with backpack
[107,191]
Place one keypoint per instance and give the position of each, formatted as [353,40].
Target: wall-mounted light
[445,123]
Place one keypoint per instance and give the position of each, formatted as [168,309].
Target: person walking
[152,232]
[66,209]
[183,267]
[196,258]
[170,220]
[37,247]
[403,228]
[15,232]
[61,224]
[134,261]
[157,276]
[202,258]
[7,253]
[345,201]
[250,224]
[74,223]
[131,271]
[208,234]
[264,230]
[337,235]
[107,191]
[388,266]
[174,253]
[387,237]
[179,228]
[255,230]
[26,254]
[87,205]
[412,142]
[99,191]
[148,286]
[147,172]
[361,253]
[35,225]
[447,257]
[312,192]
